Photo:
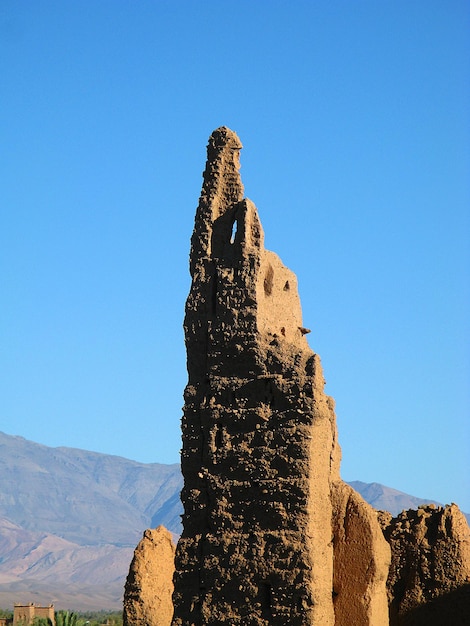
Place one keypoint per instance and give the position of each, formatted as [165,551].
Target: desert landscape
[78,557]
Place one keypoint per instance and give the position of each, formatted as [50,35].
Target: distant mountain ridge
[387,499]
[70,520]
[85,497]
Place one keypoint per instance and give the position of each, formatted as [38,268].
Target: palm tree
[66,618]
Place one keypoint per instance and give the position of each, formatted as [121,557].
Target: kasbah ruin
[271,534]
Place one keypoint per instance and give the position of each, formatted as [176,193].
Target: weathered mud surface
[271,534]
[429,579]
[260,453]
[149,585]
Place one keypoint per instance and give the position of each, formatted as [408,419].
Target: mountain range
[70,520]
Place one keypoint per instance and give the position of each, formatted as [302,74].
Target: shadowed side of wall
[361,561]
[429,575]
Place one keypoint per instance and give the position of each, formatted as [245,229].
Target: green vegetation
[42,621]
[78,618]
[5,613]
[93,618]
[66,618]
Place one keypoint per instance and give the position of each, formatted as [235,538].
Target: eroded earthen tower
[271,534]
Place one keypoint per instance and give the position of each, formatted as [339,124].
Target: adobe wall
[429,579]
[149,584]
[25,614]
[260,453]
[361,560]
[271,534]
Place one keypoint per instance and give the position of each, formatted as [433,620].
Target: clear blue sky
[355,119]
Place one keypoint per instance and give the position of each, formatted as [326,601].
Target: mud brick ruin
[149,586]
[429,578]
[262,494]
[271,534]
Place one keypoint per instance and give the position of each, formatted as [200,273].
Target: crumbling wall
[361,558]
[271,534]
[260,451]
[429,579]
[149,585]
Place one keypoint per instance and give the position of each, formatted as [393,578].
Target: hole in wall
[234,231]
[286,286]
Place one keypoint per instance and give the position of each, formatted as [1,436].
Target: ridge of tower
[222,188]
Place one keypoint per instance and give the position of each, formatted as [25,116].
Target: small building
[25,614]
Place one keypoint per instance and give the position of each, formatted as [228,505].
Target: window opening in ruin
[234,231]
[268,281]
[286,286]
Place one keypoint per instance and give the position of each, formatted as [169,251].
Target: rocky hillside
[85,497]
[42,568]
[387,499]
[70,520]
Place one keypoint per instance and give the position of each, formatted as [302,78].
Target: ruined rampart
[271,534]
[260,455]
